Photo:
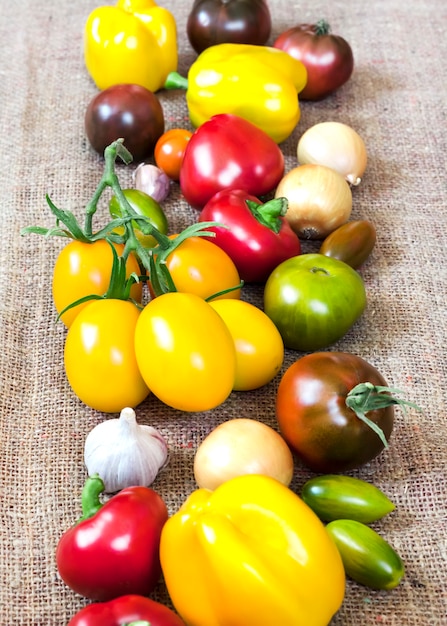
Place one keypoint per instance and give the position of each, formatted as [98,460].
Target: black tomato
[328,58]
[319,424]
[126,111]
[213,22]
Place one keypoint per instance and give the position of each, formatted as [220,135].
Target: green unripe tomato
[335,496]
[367,557]
[143,204]
[313,300]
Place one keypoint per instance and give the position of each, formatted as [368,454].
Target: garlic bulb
[152,180]
[124,453]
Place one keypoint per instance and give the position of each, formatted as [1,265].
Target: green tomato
[143,204]
[367,557]
[335,496]
[313,300]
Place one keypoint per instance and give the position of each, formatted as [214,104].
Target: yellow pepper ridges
[134,41]
[258,83]
[251,552]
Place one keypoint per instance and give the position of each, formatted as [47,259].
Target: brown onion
[337,146]
[319,200]
[242,446]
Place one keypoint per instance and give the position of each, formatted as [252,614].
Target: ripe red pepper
[126,610]
[228,152]
[258,237]
[114,548]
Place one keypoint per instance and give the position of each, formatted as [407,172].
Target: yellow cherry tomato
[259,345]
[84,269]
[199,266]
[99,356]
[185,352]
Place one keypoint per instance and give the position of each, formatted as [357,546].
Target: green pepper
[367,557]
[335,496]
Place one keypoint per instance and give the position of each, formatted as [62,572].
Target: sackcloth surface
[396,99]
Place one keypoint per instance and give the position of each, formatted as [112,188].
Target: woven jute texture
[396,99]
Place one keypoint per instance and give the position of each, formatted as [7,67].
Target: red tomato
[328,58]
[169,151]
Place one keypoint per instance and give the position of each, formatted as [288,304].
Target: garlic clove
[124,453]
[152,180]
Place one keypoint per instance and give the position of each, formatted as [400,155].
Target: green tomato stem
[366,397]
[152,260]
[322,28]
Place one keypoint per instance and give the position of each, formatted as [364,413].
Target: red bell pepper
[228,152]
[126,610]
[114,548]
[257,238]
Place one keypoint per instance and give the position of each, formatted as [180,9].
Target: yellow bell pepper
[258,83]
[134,41]
[250,553]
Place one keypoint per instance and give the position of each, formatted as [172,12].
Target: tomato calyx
[121,230]
[269,213]
[119,287]
[366,397]
[322,28]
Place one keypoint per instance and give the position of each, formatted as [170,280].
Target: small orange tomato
[169,151]
[84,269]
[200,267]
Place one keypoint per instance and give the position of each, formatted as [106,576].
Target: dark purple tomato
[213,22]
[321,404]
[352,242]
[328,58]
[126,111]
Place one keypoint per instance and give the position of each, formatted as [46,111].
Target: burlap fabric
[396,100]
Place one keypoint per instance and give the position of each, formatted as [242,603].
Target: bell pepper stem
[269,214]
[90,502]
[175,80]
